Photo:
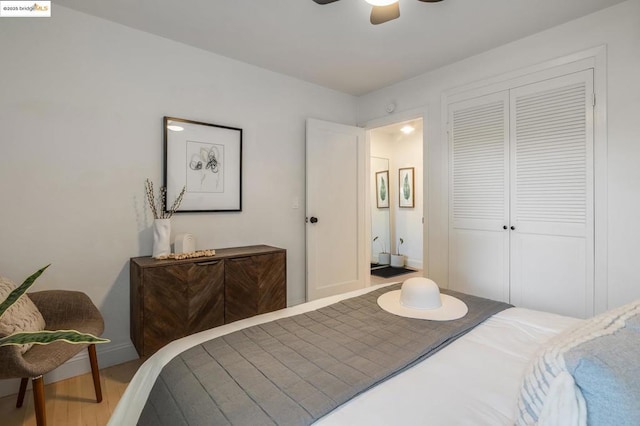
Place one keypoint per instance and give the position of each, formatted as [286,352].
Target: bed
[475,380]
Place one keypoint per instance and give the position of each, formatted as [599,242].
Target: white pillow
[549,394]
[23,315]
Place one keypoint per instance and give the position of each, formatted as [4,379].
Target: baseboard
[108,355]
[414,263]
[295,302]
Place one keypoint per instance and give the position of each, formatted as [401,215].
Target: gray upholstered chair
[62,310]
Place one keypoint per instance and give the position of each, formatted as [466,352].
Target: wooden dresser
[171,299]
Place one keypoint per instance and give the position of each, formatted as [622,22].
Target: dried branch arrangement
[159,208]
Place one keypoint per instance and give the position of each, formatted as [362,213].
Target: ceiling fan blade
[382,14]
[324,1]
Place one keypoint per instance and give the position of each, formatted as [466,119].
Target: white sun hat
[420,298]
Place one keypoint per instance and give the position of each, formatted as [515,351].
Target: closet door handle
[505,227]
[513,228]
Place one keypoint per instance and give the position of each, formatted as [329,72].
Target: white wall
[81,107]
[406,223]
[619,28]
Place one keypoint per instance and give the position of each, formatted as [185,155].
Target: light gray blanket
[294,370]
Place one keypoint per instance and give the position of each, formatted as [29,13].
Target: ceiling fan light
[381,2]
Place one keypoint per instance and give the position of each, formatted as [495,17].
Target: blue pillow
[607,371]
[587,374]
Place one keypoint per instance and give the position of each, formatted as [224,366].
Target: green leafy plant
[43,337]
[406,189]
[398,250]
[384,249]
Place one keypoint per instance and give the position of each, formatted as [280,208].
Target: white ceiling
[335,45]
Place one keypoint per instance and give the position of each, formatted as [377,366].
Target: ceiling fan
[381,10]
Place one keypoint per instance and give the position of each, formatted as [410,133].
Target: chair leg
[38,400]
[22,391]
[95,372]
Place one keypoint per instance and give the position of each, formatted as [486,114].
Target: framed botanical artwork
[206,159]
[382,189]
[407,187]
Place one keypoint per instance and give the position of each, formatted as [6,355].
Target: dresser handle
[211,262]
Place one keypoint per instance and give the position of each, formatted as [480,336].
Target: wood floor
[72,401]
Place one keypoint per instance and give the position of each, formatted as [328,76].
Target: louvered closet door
[552,250]
[479,207]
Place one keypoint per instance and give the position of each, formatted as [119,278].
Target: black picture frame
[206,159]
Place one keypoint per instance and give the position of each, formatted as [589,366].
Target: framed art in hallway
[207,160]
[382,189]
[406,183]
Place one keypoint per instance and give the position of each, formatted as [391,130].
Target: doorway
[396,207]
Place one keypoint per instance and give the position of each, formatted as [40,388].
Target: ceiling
[335,45]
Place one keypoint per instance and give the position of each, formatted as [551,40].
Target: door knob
[504,227]
[513,228]
[313,219]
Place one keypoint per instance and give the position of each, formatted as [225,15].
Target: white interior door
[552,222]
[478,197]
[336,188]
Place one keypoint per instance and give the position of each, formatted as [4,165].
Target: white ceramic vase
[383,258]
[397,260]
[161,237]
